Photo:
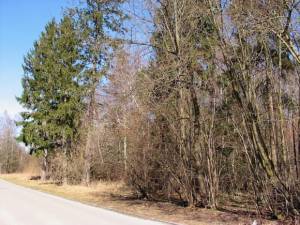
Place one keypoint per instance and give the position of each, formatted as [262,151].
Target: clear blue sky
[21,22]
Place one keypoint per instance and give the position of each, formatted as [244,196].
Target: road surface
[23,206]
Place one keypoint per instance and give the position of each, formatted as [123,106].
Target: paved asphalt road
[23,206]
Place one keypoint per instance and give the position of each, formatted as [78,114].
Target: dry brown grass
[115,196]
[32,166]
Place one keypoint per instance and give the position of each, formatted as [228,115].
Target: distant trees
[12,156]
[211,115]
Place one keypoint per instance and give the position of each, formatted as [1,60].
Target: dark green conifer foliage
[53,89]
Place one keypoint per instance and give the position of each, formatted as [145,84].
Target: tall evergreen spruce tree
[53,90]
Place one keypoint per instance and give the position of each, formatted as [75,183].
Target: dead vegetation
[118,197]
[207,118]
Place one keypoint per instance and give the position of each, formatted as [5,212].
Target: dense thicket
[208,117]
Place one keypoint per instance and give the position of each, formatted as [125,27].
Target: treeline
[13,157]
[209,114]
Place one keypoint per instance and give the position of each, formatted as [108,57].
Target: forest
[193,102]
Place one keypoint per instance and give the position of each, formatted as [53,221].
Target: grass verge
[116,196]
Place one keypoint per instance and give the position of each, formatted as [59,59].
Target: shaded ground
[117,197]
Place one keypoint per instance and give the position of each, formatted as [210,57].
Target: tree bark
[44,166]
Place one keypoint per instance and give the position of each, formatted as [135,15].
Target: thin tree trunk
[44,167]
[87,160]
[125,154]
[295,149]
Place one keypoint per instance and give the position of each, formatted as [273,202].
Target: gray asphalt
[23,206]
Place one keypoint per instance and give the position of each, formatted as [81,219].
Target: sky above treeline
[21,22]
